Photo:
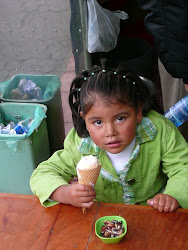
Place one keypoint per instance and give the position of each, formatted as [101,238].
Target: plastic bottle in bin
[178,113]
[23,126]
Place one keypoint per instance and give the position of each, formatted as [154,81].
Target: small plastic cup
[100,222]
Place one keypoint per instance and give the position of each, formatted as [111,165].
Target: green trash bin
[50,86]
[21,154]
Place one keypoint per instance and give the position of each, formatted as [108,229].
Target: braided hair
[112,85]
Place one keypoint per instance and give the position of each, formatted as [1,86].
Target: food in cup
[111,229]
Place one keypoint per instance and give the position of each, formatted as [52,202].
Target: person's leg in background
[173,90]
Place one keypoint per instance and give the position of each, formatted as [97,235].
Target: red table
[25,224]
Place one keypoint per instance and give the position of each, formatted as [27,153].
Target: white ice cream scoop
[87,162]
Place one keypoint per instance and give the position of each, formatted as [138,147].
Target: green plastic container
[100,222]
[50,86]
[20,154]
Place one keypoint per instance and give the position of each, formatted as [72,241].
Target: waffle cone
[89,176]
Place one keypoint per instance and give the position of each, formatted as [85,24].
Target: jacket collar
[146,131]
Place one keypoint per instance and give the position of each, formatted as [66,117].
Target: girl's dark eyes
[97,123]
[121,118]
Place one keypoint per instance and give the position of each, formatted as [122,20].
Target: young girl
[144,157]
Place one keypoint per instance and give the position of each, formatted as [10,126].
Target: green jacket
[158,162]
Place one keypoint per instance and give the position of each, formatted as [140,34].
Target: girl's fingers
[87,193]
[82,187]
[75,179]
[88,204]
[171,204]
[174,206]
[150,202]
[167,208]
[163,203]
[158,202]
[86,200]
[161,206]
[84,190]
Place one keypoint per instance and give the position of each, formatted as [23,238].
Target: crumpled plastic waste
[32,121]
[26,90]
[18,95]
[22,127]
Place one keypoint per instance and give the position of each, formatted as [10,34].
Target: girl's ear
[139,114]
[81,114]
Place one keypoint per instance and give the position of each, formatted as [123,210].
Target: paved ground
[35,39]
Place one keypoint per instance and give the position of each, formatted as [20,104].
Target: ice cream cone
[88,176]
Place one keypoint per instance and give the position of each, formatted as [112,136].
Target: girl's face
[112,127]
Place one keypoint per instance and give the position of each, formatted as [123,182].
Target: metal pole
[83,15]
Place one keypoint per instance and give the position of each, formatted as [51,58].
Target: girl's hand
[81,195]
[163,203]
[75,179]
[75,194]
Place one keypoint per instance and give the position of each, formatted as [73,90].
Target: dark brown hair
[113,85]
